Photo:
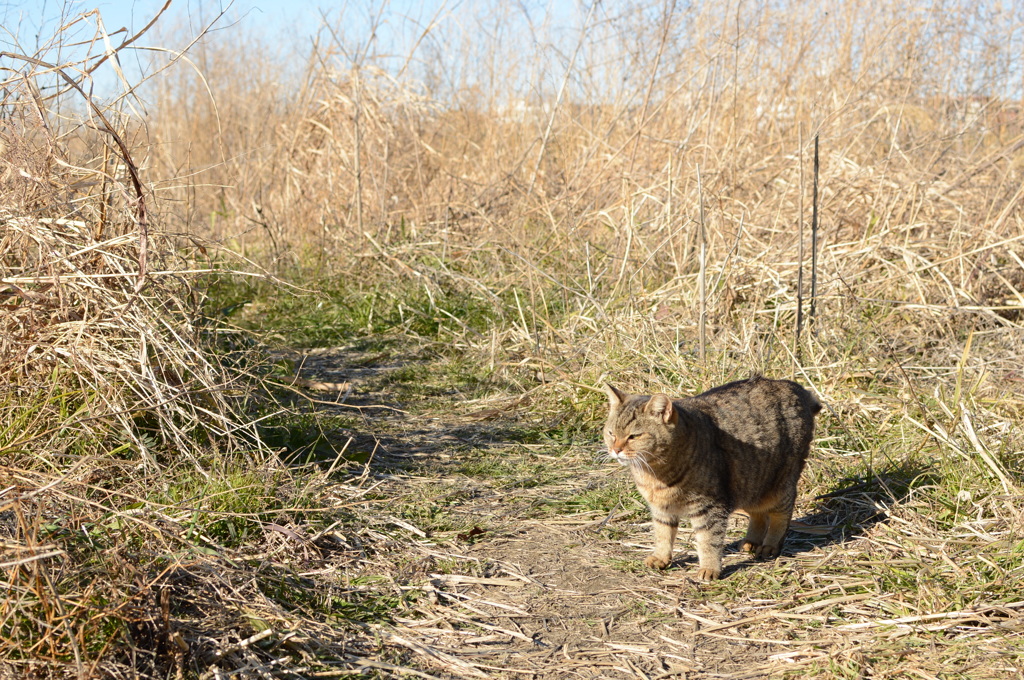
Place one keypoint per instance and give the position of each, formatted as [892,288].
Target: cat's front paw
[655,562]
[708,574]
[750,547]
[766,552]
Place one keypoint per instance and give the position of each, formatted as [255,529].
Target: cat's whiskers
[640,461]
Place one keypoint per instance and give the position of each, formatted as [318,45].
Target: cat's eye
[633,436]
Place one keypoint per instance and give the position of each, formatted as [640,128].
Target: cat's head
[639,428]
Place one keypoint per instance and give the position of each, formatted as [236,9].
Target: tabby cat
[740,446]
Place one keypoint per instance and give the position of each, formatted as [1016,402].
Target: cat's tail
[814,403]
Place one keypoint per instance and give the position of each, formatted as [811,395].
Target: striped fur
[741,446]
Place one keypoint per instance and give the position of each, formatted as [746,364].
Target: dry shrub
[109,388]
[350,145]
[99,314]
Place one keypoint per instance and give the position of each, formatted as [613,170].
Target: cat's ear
[616,397]
[660,406]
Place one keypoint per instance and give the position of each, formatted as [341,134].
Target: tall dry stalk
[800,245]
[814,232]
[702,290]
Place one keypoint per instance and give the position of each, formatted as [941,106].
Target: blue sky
[286,25]
[32,16]
[33,21]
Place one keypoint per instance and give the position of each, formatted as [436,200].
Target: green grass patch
[312,437]
[513,467]
[617,497]
[433,510]
[341,309]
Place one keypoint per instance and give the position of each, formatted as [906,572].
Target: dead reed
[571,181]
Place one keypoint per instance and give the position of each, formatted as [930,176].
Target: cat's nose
[619,455]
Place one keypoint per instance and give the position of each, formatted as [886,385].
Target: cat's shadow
[854,506]
[840,515]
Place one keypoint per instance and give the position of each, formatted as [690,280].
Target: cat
[740,446]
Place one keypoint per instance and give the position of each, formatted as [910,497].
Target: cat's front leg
[665,527]
[709,534]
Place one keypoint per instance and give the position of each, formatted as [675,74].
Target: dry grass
[100,315]
[588,202]
[110,393]
[525,207]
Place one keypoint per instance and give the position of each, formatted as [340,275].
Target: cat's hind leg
[778,523]
[757,529]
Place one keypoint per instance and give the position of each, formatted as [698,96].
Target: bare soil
[519,582]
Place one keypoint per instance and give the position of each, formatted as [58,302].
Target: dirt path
[517,577]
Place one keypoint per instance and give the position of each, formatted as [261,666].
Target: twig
[558,99]
[905,620]
[401,670]
[814,238]
[242,644]
[357,123]
[800,244]
[702,281]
